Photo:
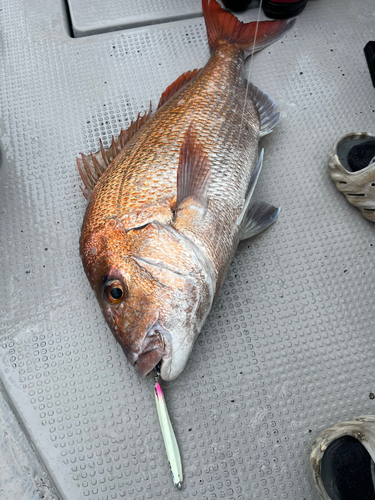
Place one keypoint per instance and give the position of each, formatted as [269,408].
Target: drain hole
[347,470]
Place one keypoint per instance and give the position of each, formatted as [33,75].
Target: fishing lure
[170,442]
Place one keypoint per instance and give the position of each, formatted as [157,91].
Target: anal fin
[250,189]
[258,217]
[266,107]
[92,166]
[255,215]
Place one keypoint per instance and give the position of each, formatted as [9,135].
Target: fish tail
[222,25]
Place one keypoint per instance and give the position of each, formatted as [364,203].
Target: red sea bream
[170,200]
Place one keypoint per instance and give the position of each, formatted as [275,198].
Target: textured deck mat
[95,16]
[288,348]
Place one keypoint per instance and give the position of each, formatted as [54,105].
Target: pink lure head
[158,390]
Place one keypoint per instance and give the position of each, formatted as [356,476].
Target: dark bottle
[237,5]
[281,9]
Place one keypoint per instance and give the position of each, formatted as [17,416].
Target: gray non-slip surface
[288,348]
[22,475]
[95,16]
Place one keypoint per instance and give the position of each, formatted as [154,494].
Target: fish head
[155,289]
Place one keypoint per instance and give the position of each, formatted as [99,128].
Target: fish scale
[216,111]
[165,217]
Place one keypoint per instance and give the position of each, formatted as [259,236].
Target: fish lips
[155,349]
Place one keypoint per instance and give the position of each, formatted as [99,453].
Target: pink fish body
[171,199]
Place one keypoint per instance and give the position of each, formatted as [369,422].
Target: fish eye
[114,291]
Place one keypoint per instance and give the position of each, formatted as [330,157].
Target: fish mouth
[155,349]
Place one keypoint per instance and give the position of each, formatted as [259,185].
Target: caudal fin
[221,25]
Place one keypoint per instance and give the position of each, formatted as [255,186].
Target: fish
[171,198]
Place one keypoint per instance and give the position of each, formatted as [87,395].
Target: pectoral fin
[193,176]
[258,217]
[193,173]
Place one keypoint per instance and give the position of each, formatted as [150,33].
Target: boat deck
[288,348]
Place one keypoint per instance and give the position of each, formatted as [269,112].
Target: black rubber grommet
[347,470]
[361,155]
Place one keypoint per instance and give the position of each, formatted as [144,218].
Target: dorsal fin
[92,166]
[193,171]
[177,85]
